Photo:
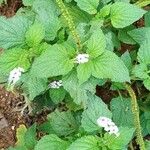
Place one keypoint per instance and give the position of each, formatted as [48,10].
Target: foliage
[67,49]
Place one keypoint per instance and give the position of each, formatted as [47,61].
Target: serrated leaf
[121,18]
[35,35]
[109,65]
[52,142]
[121,111]
[48,16]
[121,141]
[144,52]
[140,71]
[85,143]
[57,95]
[20,134]
[12,58]
[78,92]
[89,6]
[146,83]
[140,34]
[33,85]
[125,37]
[54,61]
[12,31]
[30,137]
[96,108]
[96,44]
[63,123]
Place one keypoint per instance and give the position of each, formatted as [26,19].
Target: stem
[70,22]
[135,111]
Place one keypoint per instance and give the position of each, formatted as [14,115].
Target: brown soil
[9,117]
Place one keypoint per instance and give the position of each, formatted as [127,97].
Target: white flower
[55,84]
[82,58]
[108,125]
[15,75]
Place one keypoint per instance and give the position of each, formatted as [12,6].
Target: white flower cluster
[15,75]
[82,58]
[108,125]
[55,84]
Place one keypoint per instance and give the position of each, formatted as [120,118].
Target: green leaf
[89,6]
[12,58]
[140,34]
[105,11]
[120,142]
[35,35]
[95,109]
[54,61]
[30,137]
[85,143]
[121,111]
[78,92]
[144,52]
[146,83]
[124,14]
[84,71]
[140,71]
[20,135]
[96,44]
[47,15]
[57,95]
[63,123]
[147,19]
[12,31]
[109,65]
[52,142]
[125,37]
[28,2]
[33,85]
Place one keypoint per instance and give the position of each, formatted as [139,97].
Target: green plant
[56,52]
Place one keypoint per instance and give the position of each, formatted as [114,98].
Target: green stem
[70,23]
[135,111]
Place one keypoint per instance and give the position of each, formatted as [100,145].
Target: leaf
[85,143]
[144,52]
[30,137]
[125,37]
[28,2]
[12,31]
[54,61]
[124,14]
[12,58]
[120,142]
[121,111]
[84,71]
[78,92]
[96,44]
[47,15]
[57,95]
[89,6]
[63,123]
[95,109]
[109,65]
[35,35]
[147,19]
[146,83]
[141,71]
[52,142]
[20,134]
[33,85]
[140,34]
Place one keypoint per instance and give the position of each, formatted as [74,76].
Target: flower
[55,84]
[15,75]
[82,58]
[108,125]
